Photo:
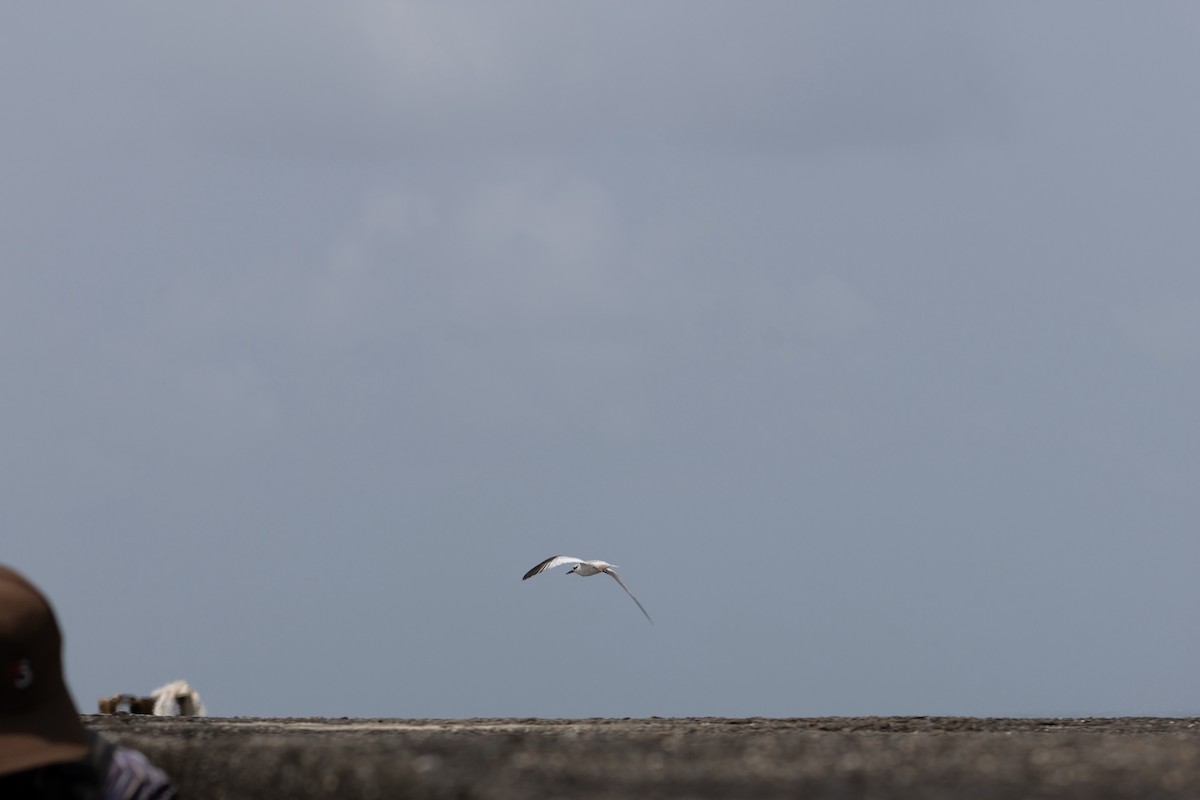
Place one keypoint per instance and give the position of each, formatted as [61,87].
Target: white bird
[584,568]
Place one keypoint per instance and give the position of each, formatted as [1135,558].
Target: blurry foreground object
[38,721]
[44,749]
[176,699]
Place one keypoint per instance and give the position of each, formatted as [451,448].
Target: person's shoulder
[131,776]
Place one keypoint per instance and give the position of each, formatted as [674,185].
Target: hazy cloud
[1167,328]
[901,297]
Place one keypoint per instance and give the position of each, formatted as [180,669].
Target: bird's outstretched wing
[617,578]
[551,563]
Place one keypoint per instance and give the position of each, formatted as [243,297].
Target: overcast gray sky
[864,337]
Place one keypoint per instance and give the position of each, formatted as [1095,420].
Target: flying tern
[584,568]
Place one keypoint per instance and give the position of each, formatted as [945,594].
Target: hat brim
[50,734]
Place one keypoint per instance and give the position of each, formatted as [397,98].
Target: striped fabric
[131,776]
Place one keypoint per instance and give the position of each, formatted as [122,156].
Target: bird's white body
[585,568]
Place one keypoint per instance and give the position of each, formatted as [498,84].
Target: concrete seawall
[838,757]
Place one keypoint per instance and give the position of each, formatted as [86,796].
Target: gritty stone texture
[838,757]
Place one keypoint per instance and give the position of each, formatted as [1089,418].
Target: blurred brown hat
[38,721]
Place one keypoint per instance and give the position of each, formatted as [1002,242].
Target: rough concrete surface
[837,757]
